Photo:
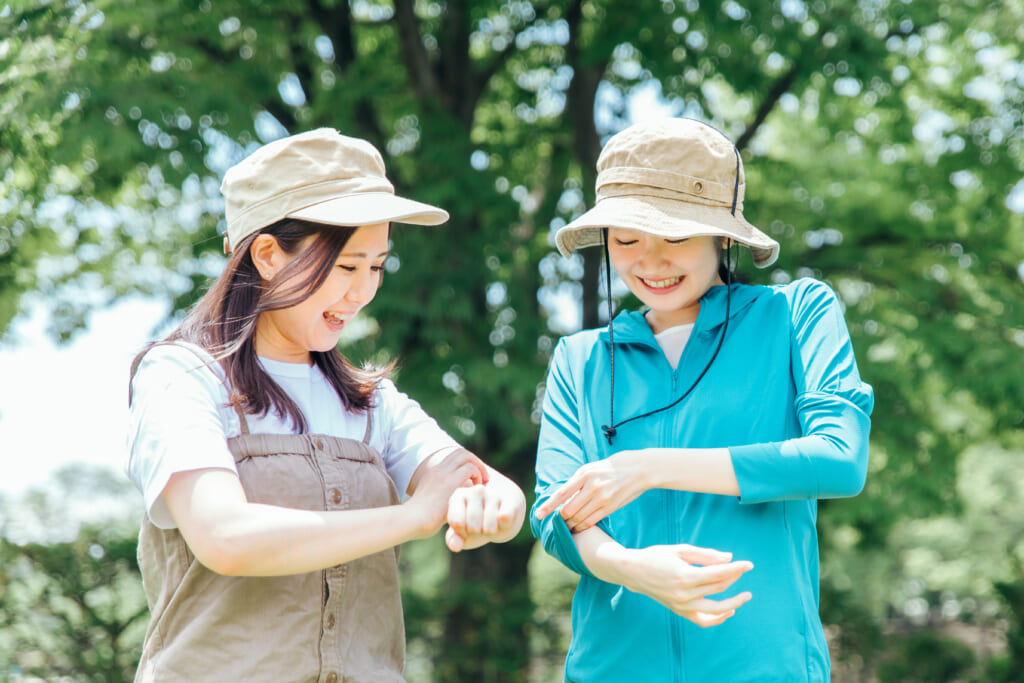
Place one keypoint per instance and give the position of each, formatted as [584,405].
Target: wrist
[413,521]
[644,468]
[614,564]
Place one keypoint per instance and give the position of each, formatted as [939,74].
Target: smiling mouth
[661,284]
[336,318]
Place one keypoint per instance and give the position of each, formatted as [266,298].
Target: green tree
[71,598]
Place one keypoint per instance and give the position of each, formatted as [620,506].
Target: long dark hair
[224,321]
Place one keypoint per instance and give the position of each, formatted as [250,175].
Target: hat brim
[371,208]
[669,218]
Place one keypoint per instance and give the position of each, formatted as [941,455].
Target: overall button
[330,622]
[335,496]
[331,678]
[698,186]
[319,444]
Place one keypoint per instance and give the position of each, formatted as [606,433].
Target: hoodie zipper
[676,634]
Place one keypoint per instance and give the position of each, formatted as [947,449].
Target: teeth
[334,317]
[659,284]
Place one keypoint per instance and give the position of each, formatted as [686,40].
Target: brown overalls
[342,624]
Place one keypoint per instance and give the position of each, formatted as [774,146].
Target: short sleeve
[178,421]
[404,434]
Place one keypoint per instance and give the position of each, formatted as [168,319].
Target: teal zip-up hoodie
[784,395]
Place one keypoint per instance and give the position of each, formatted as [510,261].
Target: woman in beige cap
[714,418]
[272,470]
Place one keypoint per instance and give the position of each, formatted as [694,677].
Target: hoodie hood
[630,327]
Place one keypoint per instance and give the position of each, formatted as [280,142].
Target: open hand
[682,576]
[597,489]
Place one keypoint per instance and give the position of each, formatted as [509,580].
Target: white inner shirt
[672,342]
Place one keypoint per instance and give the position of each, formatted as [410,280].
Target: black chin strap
[609,432]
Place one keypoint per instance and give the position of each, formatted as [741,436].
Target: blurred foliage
[72,605]
[884,149]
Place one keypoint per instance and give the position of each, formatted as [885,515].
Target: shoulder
[798,298]
[169,364]
[806,291]
[584,339]
[573,350]
[389,403]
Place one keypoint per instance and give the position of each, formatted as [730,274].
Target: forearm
[701,470]
[605,557]
[264,540]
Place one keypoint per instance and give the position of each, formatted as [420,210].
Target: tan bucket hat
[320,176]
[672,178]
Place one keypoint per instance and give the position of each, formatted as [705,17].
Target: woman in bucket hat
[270,467]
[714,418]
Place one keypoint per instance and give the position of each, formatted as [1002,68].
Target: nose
[651,254]
[363,286]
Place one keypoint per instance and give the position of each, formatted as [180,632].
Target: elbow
[854,482]
[849,475]
[223,554]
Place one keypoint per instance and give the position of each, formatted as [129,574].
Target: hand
[598,489]
[478,515]
[434,482]
[668,574]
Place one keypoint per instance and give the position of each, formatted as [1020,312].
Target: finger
[705,620]
[457,513]
[722,572]
[592,511]
[705,556]
[708,606]
[492,508]
[576,503]
[557,498]
[704,590]
[454,542]
[461,458]
[482,476]
[590,520]
[470,475]
[474,510]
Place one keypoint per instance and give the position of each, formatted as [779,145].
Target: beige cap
[320,176]
[672,178]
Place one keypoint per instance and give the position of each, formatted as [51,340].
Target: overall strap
[369,426]
[207,361]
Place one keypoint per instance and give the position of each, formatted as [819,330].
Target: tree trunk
[488,615]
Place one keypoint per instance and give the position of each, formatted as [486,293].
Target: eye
[377,269]
[624,243]
[679,241]
[349,269]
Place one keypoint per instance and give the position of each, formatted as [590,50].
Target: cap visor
[370,208]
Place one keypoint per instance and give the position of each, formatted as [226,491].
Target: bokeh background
[884,148]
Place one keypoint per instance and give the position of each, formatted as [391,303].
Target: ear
[267,256]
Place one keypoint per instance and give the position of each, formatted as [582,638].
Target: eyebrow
[361,254]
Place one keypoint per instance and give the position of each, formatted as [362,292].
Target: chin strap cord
[610,429]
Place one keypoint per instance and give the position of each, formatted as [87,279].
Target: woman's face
[315,324]
[669,276]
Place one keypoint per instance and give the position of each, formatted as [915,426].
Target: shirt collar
[631,327]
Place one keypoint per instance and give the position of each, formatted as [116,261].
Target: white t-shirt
[179,420]
[672,342]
